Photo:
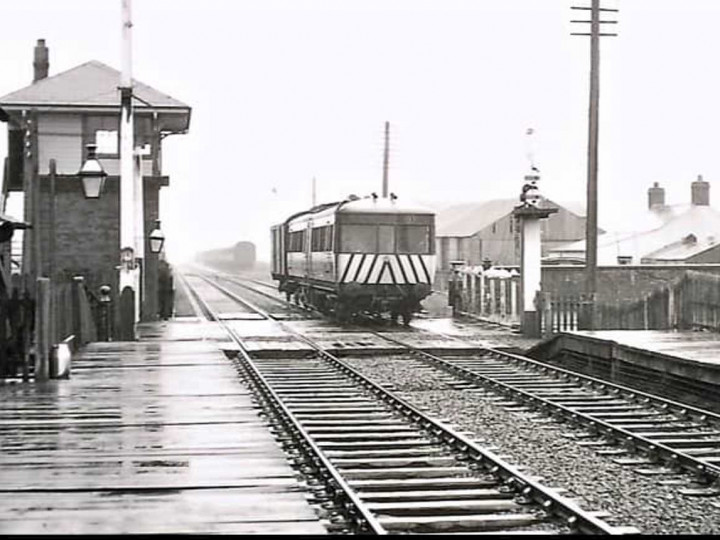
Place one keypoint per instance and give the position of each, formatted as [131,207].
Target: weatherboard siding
[60,138]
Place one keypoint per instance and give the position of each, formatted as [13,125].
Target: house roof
[90,84]
[462,220]
[682,250]
[660,235]
[647,219]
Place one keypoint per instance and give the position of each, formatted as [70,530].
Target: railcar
[244,255]
[241,256]
[372,255]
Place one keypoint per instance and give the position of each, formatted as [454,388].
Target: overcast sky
[282,91]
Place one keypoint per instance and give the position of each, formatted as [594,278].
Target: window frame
[296,241]
[428,239]
[427,229]
[100,150]
[321,240]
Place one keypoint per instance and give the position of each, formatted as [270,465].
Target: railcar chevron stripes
[370,255]
[395,269]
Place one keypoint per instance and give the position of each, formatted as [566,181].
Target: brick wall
[87,235]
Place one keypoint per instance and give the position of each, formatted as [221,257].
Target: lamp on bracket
[92,174]
[157,238]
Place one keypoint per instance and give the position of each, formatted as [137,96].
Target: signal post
[529,214]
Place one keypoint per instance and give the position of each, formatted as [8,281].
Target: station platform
[685,365]
[153,436]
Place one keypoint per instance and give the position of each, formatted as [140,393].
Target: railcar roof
[383,206]
[367,205]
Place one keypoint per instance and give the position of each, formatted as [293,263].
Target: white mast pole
[128,248]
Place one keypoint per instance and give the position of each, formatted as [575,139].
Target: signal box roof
[94,86]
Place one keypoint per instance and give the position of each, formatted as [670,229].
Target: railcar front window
[358,238]
[386,239]
[413,239]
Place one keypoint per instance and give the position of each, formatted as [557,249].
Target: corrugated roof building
[473,232]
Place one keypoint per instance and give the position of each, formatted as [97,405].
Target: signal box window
[107,142]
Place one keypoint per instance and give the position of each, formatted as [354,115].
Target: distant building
[473,232]
[660,234]
[54,118]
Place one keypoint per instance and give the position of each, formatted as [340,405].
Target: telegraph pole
[386,160]
[591,231]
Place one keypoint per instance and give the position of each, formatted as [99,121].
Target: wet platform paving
[690,360]
[701,347]
[154,436]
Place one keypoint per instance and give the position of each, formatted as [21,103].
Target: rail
[653,448]
[560,507]
[360,516]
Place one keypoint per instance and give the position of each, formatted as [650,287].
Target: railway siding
[551,450]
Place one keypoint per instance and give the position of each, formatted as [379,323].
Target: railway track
[661,437]
[380,465]
[252,284]
[269,305]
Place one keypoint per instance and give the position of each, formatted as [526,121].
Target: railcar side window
[322,238]
[296,242]
[316,241]
[413,239]
[358,238]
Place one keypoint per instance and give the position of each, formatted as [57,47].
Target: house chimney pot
[41,64]
[656,197]
[700,192]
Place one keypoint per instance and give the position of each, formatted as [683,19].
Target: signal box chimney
[41,64]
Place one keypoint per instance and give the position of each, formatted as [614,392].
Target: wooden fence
[492,295]
[75,312]
[17,322]
[31,328]
[563,313]
[690,303]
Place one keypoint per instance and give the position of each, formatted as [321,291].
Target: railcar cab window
[296,242]
[385,239]
[358,238]
[413,239]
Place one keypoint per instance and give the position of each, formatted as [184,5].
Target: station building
[50,123]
